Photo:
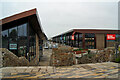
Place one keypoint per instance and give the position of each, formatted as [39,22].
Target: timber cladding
[100,41]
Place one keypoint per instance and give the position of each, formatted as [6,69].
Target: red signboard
[111,36]
[72,37]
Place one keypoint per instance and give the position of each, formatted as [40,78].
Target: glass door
[90,41]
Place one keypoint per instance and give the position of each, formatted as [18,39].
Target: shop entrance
[90,41]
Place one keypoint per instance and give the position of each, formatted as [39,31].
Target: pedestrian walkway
[98,70]
[45,59]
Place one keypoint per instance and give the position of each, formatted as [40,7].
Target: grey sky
[60,16]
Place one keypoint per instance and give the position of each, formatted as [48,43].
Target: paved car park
[98,70]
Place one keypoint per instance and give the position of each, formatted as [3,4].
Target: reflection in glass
[89,41]
[22,46]
[22,39]
[5,39]
[13,35]
[22,30]
[80,41]
[32,45]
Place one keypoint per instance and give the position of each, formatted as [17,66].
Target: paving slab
[98,70]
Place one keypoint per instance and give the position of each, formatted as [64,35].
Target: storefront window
[22,30]
[13,40]
[5,39]
[32,43]
[89,41]
[19,41]
[80,41]
[117,38]
[22,40]
[13,35]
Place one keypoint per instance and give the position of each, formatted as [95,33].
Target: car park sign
[111,36]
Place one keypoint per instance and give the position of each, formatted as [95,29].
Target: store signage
[72,37]
[13,46]
[111,36]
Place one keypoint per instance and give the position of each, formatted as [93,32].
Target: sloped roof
[101,31]
[30,15]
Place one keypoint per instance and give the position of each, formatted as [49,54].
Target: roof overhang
[30,16]
[96,31]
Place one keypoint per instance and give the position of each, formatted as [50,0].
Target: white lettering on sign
[13,46]
[111,37]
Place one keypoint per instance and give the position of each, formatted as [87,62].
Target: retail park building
[23,35]
[88,38]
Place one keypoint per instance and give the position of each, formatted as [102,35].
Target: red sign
[72,37]
[111,36]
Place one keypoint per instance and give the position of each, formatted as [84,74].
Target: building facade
[22,34]
[87,38]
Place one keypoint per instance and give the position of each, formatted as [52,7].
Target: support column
[69,40]
[74,40]
[83,40]
[78,40]
[27,56]
[66,39]
[37,47]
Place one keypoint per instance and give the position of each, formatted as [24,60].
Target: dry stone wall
[62,56]
[10,59]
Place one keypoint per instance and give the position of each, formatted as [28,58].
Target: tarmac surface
[98,70]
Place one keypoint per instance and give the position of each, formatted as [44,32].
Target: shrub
[88,51]
[117,60]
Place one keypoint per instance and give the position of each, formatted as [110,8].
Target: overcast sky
[58,16]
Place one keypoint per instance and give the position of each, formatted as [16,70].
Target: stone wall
[62,56]
[10,59]
[98,56]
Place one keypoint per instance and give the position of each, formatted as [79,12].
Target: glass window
[22,46]
[17,38]
[13,35]
[22,30]
[5,39]
[22,39]
[89,41]
[80,41]
[32,44]
[13,32]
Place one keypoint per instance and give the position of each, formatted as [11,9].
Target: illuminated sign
[72,37]
[111,36]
